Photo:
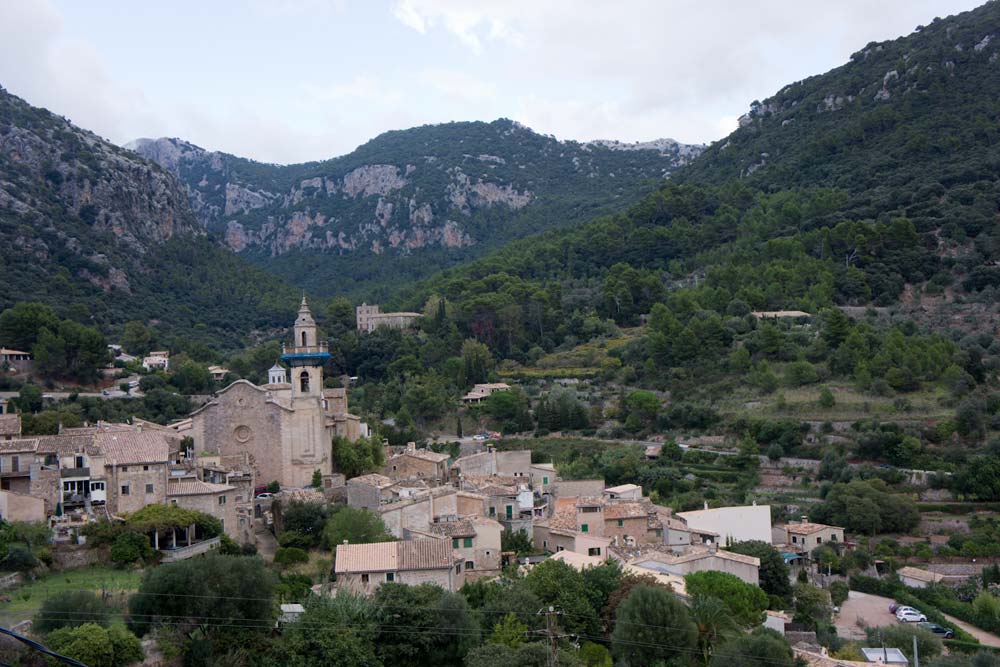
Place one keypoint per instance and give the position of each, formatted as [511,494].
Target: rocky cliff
[451,191]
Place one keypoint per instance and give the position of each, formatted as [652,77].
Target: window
[15,464]
[545,480]
[145,468]
[833,537]
[584,528]
[390,576]
[469,565]
[79,461]
[793,539]
[149,488]
[493,511]
[222,500]
[466,542]
[545,544]
[124,489]
[124,468]
[594,551]
[173,501]
[364,578]
[304,381]
[458,569]
[560,548]
[303,339]
[819,540]
[454,543]
[510,511]
[621,522]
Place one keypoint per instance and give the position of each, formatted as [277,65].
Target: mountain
[877,183]
[409,201]
[105,236]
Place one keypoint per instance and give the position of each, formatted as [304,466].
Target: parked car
[265,495]
[941,631]
[900,608]
[911,617]
[893,607]
[479,437]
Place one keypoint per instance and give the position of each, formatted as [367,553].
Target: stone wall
[21,507]
[209,504]
[137,478]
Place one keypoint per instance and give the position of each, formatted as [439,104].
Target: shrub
[19,558]
[130,547]
[69,609]
[838,592]
[290,556]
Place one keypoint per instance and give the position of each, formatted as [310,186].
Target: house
[218,500]
[515,463]
[578,561]
[570,529]
[369,491]
[21,507]
[418,464]
[135,465]
[370,318]
[624,492]
[632,523]
[362,568]
[481,392]
[543,476]
[16,458]
[159,360]
[218,373]
[885,656]
[475,541]
[653,452]
[578,488]
[804,536]
[700,559]
[10,426]
[779,314]
[415,512]
[917,578]
[732,524]
[17,360]
[509,500]
[290,613]
[676,583]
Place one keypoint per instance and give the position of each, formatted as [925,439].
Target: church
[281,431]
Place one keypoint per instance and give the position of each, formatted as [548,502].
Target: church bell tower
[306,356]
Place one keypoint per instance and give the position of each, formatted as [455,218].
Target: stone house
[624,492]
[480,392]
[632,523]
[418,464]
[19,360]
[369,318]
[218,500]
[402,517]
[475,541]
[543,477]
[515,463]
[369,491]
[16,458]
[805,536]
[563,531]
[136,467]
[21,507]
[578,488]
[10,426]
[362,568]
[159,360]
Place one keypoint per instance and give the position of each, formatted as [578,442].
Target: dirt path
[873,611]
[266,544]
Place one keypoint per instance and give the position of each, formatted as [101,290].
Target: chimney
[706,504]
[713,547]
[803,519]
[411,446]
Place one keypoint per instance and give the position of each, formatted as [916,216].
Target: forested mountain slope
[105,236]
[409,201]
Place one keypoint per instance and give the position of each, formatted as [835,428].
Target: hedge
[896,590]
[969,648]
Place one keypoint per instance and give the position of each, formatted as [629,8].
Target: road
[873,611]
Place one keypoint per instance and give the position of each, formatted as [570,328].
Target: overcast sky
[295,80]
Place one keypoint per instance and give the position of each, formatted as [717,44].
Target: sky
[296,80]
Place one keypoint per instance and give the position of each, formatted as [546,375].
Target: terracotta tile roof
[372,479]
[627,511]
[125,448]
[427,455]
[67,444]
[10,425]
[196,487]
[429,554]
[460,528]
[808,528]
[589,501]
[19,445]
[563,520]
[697,554]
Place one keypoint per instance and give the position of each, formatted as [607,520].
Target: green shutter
[545,480]
[583,528]
[467,542]
[510,511]
[621,522]
[454,543]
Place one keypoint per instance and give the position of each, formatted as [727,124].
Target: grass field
[28,597]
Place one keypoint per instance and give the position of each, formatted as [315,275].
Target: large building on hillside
[281,431]
[370,318]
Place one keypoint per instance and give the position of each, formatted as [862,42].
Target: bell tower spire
[306,355]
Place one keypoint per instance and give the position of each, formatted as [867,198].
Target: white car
[902,609]
[912,616]
[479,437]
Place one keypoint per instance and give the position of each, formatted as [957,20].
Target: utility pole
[551,628]
[916,656]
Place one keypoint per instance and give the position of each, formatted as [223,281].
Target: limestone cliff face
[68,197]
[445,187]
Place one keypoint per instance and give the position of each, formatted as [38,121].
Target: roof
[125,448]
[10,425]
[780,313]
[887,655]
[623,488]
[19,445]
[426,455]
[817,660]
[276,367]
[64,444]
[575,560]
[429,554]
[460,528]
[919,575]
[372,479]
[696,554]
[626,511]
[196,487]
[589,501]
[7,350]
[808,528]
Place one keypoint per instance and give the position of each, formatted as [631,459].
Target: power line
[38,647]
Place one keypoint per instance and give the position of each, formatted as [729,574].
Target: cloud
[458,86]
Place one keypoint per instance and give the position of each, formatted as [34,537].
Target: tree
[20,324]
[509,631]
[69,609]
[826,398]
[356,458]
[130,547]
[901,636]
[19,558]
[332,631]
[192,592]
[136,338]
[652,625]
[96,646]
[866,506]
[446,633]
[746,602]
[477,363]
[317,479]
[812,605]
[627,582]
[761,648]
[715,624]
[559,585]
[29,399]
[355,525]
[773,569]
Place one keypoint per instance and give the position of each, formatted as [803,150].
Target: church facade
[281,431]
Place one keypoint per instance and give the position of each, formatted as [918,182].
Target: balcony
[305,355]
[74,472]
